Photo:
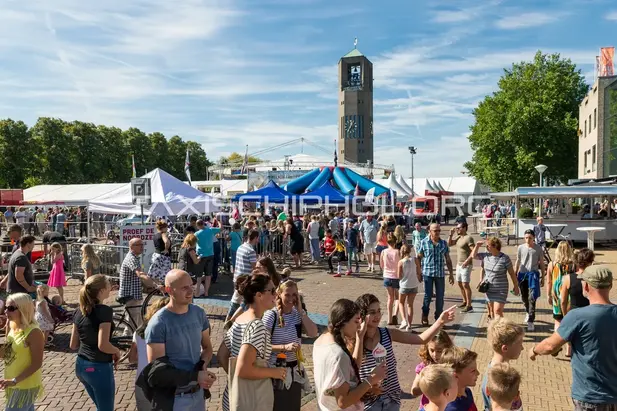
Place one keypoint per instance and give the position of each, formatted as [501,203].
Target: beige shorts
[369,248]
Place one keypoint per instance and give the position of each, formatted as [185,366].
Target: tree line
[54,151]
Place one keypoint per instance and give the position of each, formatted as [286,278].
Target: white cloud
[612,15]
[526,20]
[449,16]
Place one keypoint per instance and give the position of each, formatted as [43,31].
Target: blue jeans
[190,402]
[98,378]
[440,287]
[233,257]
[352,253]
[315,249]
[384,404]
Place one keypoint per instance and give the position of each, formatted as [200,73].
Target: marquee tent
[169,196]
[66,194]
[271,192]
[401,182]
[392,184]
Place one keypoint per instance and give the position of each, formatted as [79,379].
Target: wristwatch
[14,381]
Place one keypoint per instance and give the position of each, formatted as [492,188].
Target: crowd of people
[354,363]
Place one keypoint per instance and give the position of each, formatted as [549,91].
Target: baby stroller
[60,315]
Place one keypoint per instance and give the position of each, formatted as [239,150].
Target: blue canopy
[270,192]
[325,194]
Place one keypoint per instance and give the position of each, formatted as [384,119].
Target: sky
[227,73]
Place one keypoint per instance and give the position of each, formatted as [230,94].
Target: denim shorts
[391,282]
[413,290]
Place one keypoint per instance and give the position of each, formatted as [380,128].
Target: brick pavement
[546,383]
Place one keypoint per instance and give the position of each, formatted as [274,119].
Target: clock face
[351,127]
[355,75]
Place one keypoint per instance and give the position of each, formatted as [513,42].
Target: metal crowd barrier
[111,257]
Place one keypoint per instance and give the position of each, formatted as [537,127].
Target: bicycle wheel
[150,299]
[122,336]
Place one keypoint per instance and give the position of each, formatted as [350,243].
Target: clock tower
[355,110]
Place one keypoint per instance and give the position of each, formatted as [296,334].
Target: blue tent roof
[270,192]
[323,193]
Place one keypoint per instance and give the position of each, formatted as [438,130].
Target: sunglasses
[11,308]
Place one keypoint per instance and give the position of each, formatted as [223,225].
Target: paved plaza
[546,382]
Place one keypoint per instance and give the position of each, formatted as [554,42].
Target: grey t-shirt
[592,331]
[181,334]
[19,259]
[529,257]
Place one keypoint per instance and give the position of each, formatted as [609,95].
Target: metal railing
[111,257]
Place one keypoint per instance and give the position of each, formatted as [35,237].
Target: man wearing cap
[592,331]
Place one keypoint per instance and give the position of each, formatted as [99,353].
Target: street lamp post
[412,151]
[540,168]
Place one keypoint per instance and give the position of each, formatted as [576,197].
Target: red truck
[11,197]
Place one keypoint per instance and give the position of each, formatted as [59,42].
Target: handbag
[249,395]
[484,286]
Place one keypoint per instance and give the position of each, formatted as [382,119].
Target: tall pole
[412,151]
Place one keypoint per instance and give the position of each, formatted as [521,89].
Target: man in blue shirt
[181,331]
[369,229]
[353,241]
[432,253]
[592,331]
[205,250]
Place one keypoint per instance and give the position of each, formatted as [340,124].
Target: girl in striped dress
[377,348]
[285,323]
[248,339]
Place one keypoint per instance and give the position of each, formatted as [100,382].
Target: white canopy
[169,195]
[66,194]
[401,193]
[401,182]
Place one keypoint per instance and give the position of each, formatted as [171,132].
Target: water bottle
[281,361]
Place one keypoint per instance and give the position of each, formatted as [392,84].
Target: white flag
[370,196]
[187,166]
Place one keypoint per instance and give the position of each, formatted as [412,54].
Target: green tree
[140,147]
[176,148]
[116,155]
[159,150]
[55,151]
[15,153]
[236,159]
[532,119]
[199,161]
[87,149]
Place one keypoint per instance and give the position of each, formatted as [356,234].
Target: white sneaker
[526,318]
[403,326]
[530,327]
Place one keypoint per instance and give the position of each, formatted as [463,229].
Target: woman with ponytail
[92,327]
[249,342]
[337,375]
[285,323]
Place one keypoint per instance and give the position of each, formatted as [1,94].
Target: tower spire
[355,43]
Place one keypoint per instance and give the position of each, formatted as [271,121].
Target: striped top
[390,385]
[244,258]
[253,333]
[291,332]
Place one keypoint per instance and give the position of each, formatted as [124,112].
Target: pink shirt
[391,257]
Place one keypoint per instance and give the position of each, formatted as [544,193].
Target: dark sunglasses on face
[12,308]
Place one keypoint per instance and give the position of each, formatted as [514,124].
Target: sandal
[425,322]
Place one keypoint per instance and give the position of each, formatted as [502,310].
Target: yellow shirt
[340,246]
[17,358]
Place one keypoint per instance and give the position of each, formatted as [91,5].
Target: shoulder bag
[249,395]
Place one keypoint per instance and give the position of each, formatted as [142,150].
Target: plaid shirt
[130,284]
[433,257]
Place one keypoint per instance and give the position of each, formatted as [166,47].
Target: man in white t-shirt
[313,234]
[21,217]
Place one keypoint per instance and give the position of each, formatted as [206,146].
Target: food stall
[568,215]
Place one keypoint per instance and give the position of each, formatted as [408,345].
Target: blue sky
[263,72]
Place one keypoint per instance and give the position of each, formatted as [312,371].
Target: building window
[590,124]
[585,164]
[585,128]
[593,158]
[595,118]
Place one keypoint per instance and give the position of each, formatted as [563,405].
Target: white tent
[169,195]
[401,193]
[401,182]
[66,194]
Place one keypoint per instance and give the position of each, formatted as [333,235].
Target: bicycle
[124,328]
[152,297]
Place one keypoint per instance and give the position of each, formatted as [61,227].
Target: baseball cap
[598,276]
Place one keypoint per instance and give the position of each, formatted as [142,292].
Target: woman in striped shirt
[285,324]
[248,339]
[377,344]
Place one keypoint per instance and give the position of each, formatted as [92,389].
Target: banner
[280,177]
[145,232]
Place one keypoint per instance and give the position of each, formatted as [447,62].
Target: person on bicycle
[131,277]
